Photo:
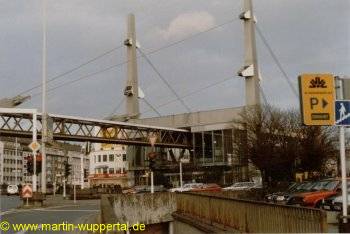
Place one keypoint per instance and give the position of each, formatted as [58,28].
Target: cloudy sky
[306,36]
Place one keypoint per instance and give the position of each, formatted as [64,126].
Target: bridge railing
[249,216]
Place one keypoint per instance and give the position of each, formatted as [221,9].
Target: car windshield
[243,184]
[321,185]
[305,187]
[294,187]
[331,185]
[192,185]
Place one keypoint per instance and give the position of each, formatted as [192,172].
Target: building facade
[14,159]
[109,166]
[11,162]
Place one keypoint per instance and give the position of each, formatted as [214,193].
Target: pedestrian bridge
[19,123]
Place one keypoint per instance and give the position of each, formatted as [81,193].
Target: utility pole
[82,171]
[16,150]
[2,162]
[340,96]
[34,179]
[181,183]
[250,70]
[131,90]
[44,111]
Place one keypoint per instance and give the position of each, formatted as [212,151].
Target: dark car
[329,203]
[335,202]
[283,197]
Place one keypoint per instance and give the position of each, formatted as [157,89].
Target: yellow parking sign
[317,94]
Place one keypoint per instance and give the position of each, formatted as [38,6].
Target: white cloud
[188,23]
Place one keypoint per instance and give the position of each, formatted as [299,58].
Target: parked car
[295,188]
[239,186]
[321,190]
[272,197]
[335,202]
[207,188]
[144,189]
[12,189]
[187,187]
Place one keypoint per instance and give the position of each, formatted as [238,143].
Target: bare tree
[273,139]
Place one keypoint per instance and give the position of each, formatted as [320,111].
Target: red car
[321,190]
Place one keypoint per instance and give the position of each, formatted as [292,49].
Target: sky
[306,36]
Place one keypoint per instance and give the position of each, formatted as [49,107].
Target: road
[9,202]
[61,212]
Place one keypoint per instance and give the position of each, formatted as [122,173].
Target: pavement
[56,211]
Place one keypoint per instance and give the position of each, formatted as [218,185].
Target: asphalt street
[9,202]
[61,212]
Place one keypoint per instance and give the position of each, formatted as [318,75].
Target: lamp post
[182,160]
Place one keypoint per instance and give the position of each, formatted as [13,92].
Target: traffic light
[151,159]
[38,167]
[38,163]
[152,164]
[30,166]
[67,169]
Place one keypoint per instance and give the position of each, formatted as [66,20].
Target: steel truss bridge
[68,128]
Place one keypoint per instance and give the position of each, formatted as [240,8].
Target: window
[111,170]
[111,157]
[99,158]
[124,157]
[105,157]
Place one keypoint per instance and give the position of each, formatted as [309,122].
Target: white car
[12,189]
[187,187]
[241,186]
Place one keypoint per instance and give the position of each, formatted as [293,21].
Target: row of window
[12,161]
[103,158]
[7,169]
[12,178]
[12,152]
[107,170]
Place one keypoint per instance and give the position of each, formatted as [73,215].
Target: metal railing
[250,216]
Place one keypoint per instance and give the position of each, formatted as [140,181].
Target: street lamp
[182,160]
[13,102]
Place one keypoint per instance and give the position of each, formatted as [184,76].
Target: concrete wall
[182,227]
[212,117]
[144,207]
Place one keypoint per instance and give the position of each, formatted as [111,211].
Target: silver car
[12,189]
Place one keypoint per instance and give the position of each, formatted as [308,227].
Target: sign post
[317,98]
[27,192]
[319,107]
[342,119]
